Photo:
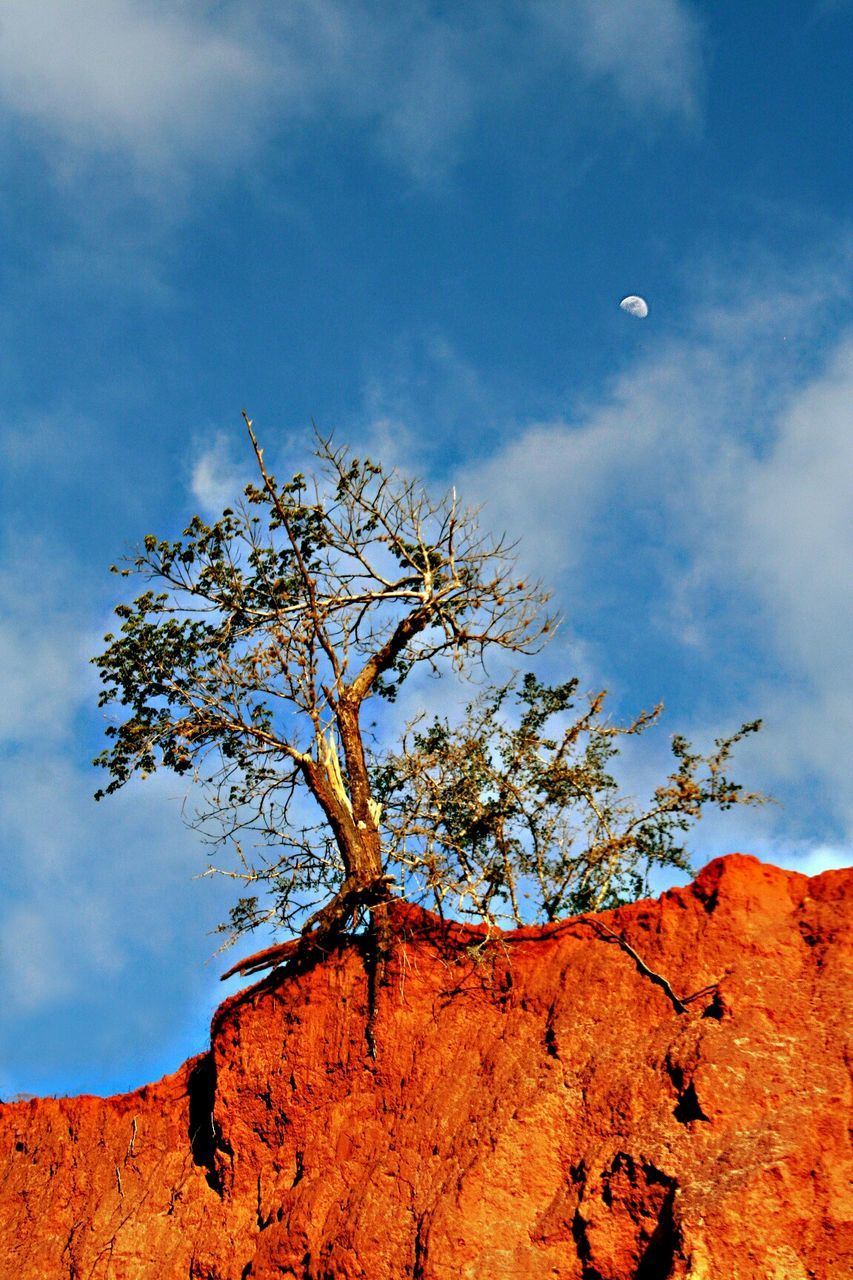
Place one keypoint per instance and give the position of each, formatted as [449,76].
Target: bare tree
[249,661]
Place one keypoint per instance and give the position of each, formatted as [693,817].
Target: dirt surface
[534,1105]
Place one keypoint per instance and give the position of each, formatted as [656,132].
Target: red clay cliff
[537,1106]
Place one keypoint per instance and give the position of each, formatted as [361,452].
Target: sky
[413,225]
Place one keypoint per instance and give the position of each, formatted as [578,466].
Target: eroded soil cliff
[537,1107]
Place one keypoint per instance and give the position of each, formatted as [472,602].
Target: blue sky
[414,224]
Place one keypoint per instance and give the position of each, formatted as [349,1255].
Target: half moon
[635,306]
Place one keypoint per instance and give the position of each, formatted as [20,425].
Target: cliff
[537,1106]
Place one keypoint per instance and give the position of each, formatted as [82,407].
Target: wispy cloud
[713,481]
[796,521]
[46,945]
[217,477]
[144,79]
[166,87]
[89,890]
[40,618]
[85,889]
[649,51]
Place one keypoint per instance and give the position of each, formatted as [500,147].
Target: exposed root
[329,923]
[679,1003]
[321,930]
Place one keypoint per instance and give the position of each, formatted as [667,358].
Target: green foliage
[514,811]
[245,664]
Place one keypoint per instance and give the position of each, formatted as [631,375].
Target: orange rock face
[537,1106]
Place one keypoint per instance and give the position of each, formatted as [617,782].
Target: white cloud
[814,861]
[32,960]
[90,888]
[718,470]
[220,464]
[649,50]
[217,478]
[83,887]
[119,74]
[40,654]
[798,523]
[166,84]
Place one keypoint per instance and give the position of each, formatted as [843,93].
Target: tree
[247,665]
[515,803]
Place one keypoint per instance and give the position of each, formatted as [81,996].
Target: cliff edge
[541,1103]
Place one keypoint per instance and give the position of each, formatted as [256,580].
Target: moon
[635,306]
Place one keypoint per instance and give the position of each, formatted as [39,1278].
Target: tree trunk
[352,817]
